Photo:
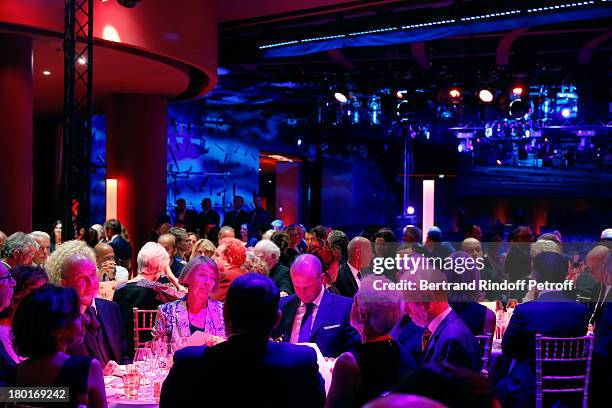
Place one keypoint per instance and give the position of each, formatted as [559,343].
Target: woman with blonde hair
[197,312]
[203,247]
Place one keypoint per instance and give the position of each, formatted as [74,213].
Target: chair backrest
[554,353]
[144,320]
[486,343]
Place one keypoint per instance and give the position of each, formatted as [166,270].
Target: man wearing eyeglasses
[105,262]
[7,283]
[18,249]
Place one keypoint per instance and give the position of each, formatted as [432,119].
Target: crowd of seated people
[262,293]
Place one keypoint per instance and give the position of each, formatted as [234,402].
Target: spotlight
[46,73]
[128,3]
[566,113]
[454,93]
[299,142]
[517,109]
[499,162]
[410,210]
[403,111]
[485,95]
[340,97]
[518,91]
[82,60]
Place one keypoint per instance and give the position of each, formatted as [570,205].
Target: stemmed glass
[146,362]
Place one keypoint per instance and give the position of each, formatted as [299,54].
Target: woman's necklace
[198,319]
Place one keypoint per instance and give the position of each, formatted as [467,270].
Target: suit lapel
[289,316]
[106,323]
[323,312]
[439,330]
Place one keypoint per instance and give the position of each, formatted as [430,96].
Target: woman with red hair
[229,256]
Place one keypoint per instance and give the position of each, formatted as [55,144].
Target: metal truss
[78,109]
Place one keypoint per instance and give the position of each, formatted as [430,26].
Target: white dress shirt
[435,323]
[355,271]
[299,316]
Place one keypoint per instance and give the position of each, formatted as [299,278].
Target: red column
[16,172]
[136,156]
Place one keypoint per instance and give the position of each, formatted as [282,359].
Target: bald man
[360,257]
[105,263]
[314,315]
[594,284]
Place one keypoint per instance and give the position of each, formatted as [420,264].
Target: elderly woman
[59,325]
[197,312]
[144,292]
[27,278]
[374,366]
[203,247]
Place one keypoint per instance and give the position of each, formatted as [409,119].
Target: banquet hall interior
[419,193]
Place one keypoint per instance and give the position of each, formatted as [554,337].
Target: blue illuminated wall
[203,165]
[203,160]
[98,166]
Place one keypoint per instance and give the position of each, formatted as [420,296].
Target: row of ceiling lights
[433,23]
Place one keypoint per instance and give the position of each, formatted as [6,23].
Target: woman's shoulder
[170,306]
[215,304]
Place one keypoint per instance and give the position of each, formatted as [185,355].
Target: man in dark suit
[359,258]
[238,216]
[247,367]
[279,273]
[552,314]
[122,248]
[595,263]
[409,335]
[184,217]
[104,336]
[260,219]
[313,315]
[446,337]
[208,219]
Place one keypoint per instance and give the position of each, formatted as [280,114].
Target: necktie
[306,326]
[425,339]
[94,325]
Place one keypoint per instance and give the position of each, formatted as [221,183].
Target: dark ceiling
[544,54]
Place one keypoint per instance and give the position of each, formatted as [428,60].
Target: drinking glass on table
[131,382]
[145,361]
[500,324]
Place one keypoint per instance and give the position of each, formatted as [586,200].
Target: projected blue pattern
[203,166]
[98,165]
[198,166]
